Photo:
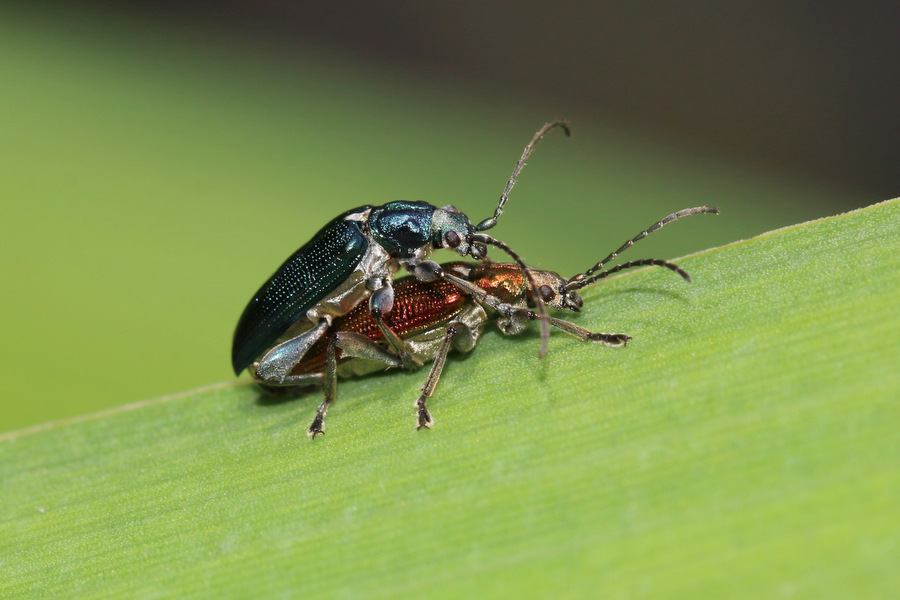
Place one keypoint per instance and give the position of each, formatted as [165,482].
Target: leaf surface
[744,445]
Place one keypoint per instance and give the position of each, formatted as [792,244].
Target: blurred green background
[159,161]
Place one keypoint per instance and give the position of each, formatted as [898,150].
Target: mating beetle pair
[350,260]
[353,259]
[430,318]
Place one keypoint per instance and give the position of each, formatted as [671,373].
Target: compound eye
[452,239]
[547,293]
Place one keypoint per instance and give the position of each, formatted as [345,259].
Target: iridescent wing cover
[309,275]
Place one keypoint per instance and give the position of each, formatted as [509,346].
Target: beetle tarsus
[423,417]
[610,339]
[318,425]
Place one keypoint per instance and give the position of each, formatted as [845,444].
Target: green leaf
[744,445]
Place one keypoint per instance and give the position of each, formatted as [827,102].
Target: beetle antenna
[532,285]
[583,279]
[491,221]
[577,285]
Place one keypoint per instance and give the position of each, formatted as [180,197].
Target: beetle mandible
[352,259]
[430,318]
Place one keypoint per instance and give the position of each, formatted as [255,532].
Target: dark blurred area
[799,87]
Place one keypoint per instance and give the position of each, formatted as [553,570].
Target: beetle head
[451,229]
[552,288]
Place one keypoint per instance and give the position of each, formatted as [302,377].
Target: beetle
[351,259]
[430,318]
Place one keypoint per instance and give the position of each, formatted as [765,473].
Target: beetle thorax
[375,269]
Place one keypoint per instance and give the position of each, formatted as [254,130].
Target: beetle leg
[354,345]
[275,366]
[329,385]
[498,305]
[427,271]
[380,303]
[462,338]
[397,345]
[609,339]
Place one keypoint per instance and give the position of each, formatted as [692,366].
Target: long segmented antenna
[629,265]
[579,281]
[491,221]
[532,285]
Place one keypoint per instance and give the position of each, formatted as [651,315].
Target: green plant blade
[744,445]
